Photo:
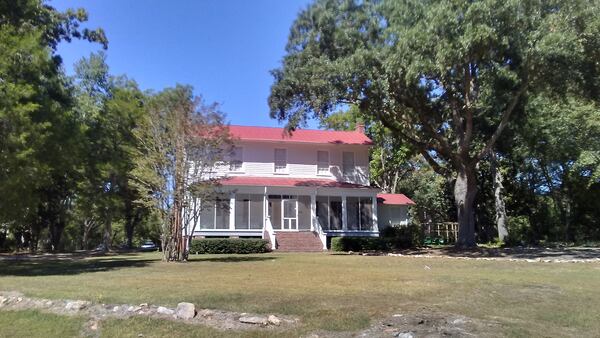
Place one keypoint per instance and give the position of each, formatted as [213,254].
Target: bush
[361,243]
[404,236]
[519,231]
[229,246]
[392,238]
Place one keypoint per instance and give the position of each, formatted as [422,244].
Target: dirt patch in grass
[424,323]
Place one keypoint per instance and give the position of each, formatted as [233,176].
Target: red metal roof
[299,135]
[288,182]
[394,199]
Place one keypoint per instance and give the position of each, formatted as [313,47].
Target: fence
[436,232]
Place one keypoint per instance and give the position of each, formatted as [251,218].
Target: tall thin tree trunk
[465,189]
[500,208]
[107,238]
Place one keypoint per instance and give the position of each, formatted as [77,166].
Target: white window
[322,162]
[280,160]
[237,159]
[348,163]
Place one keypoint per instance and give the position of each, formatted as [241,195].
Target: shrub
[229,246]
[361,243]
[404,236]
[519,231]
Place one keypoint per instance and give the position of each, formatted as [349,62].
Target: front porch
[282,214]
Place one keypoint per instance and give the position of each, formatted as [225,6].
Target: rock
[144,304]
[274,320]
[405,335]
[257,320]
[397,315]
[186,310]
[459,321]
[76,305]
[134,308]
[206,313]
[3,300]
[19,299]
[164,311]
[94,326]
[115,309]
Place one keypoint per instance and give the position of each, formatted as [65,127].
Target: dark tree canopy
[445,76]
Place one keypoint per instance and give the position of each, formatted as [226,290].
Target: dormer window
[322,162]
[348,163]
[280,161]
[237,159]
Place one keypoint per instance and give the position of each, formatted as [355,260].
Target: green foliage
[359,244]
[229,246]
[446,77]
[404,236]
[519,231]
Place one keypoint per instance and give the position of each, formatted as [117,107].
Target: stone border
[506,259]
[184,313]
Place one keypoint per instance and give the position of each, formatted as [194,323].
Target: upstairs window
[348,163]
[280,160]
[322,162]
[237,159]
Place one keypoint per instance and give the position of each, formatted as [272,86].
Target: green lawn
[336,293]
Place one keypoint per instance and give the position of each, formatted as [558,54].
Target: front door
[290,213]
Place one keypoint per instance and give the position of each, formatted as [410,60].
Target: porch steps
[303,241]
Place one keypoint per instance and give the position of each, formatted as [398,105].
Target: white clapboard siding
[258,160]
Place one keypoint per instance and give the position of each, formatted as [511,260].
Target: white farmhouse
[299,190]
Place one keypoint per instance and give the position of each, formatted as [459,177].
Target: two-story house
[299,189]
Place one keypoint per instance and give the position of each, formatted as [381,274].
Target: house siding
[258,160]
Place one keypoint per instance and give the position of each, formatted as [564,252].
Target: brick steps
[305,241]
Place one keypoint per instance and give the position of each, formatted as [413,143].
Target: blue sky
[225,49]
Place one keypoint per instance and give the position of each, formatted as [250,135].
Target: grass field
[329,293]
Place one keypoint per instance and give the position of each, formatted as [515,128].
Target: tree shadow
[58,267]
[231,259]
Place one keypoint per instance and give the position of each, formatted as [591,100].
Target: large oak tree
[446,76]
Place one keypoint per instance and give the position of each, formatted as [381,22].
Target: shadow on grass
[51,267]
[231,259]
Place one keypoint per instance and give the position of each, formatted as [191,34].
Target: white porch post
[232,211]
[313,211]
[375,225]
[344,214]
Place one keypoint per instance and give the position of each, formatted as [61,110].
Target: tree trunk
[500,208]
[56,230]
[107,237]
[129,226]
[465,189]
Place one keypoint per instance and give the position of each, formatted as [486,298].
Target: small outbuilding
[392,209]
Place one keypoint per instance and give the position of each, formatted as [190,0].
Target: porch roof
[394,199]
[288,182]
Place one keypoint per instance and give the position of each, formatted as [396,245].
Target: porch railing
[322,235]
[270,231]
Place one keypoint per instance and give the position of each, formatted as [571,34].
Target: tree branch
[503,122]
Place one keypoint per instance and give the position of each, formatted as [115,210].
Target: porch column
[313,211]
[344,214]
[232,211]
[375,225]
